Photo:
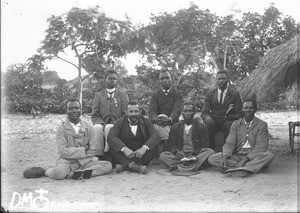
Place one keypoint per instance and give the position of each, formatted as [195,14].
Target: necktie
[221,98]
[166,92]
[247,125]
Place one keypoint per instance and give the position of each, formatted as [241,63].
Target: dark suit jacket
[104,110]
[169,105]
[216,111]
[118,135]
[258,137]
[199,137]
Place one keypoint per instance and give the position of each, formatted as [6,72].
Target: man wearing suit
[187,139]
[165,107]
[76,144]
[108,106]
[221,107]
[245,150]
[133,140]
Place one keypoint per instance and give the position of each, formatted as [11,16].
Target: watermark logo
[39,203]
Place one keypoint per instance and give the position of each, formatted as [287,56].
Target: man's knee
[107,128]
[98,128]
[214,159]
[268,154]
[165,155]
[58,172]
[106,166]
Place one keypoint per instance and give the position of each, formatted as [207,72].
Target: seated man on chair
[108,105]
[246,147]
[133,140]
[76,143]
[164,108]
[221,107]
[188,140]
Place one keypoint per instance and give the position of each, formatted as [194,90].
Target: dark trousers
[119,157]
[216,127]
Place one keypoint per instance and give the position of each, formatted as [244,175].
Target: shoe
[184,160]
[192,158]
[77,174]
[107,156]
[87,173]
[34,172]
[173,168]
[100,157]
[119,168]
[240,173]
[224,169]
[138,168]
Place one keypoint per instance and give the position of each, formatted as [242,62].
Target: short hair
[223,72]
[73,99]
[108,72]
[189,103]
[254,103]
[133,102]
[165,71]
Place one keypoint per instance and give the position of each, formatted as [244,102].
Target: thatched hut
[277,70]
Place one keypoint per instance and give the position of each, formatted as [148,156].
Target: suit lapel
[227,96]
[215,96]
[70,128]
[254,123]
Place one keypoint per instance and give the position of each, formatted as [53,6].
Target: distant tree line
[191,43]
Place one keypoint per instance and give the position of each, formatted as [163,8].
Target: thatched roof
[277,70]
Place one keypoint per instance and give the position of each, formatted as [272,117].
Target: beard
[133,119]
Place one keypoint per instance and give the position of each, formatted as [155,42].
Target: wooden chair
[292,134]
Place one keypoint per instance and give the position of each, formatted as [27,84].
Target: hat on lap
[34,172]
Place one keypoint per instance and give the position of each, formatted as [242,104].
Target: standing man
[245,150]
[108,106]
[188,140]
[133,140]
[165,107]
[221,107]
[76,144]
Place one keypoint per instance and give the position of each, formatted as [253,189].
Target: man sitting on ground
[245,150]
[188,141]
[133,140]
[76,143]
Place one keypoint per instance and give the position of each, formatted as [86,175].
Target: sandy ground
[30,142]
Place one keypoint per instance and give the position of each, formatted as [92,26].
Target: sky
[23,22]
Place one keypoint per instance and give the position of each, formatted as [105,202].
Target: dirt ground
[27,142]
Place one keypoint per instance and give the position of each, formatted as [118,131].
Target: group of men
[123,138]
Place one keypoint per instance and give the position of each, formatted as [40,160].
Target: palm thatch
[277,70]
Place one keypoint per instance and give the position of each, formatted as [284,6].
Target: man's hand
[242,162]
[180,155]
[86,147]
[128,152]
[140,152]
[208,122]
[223,161]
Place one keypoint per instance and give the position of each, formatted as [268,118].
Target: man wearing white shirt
[246,148]
[165,107]
[108,105]
[133,140]
[221,107]
[76,144]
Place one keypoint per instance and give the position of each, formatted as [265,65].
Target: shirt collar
[250,123]
[75,124]
[111,90]
[225,90]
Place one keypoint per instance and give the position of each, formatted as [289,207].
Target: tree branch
[57,57]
